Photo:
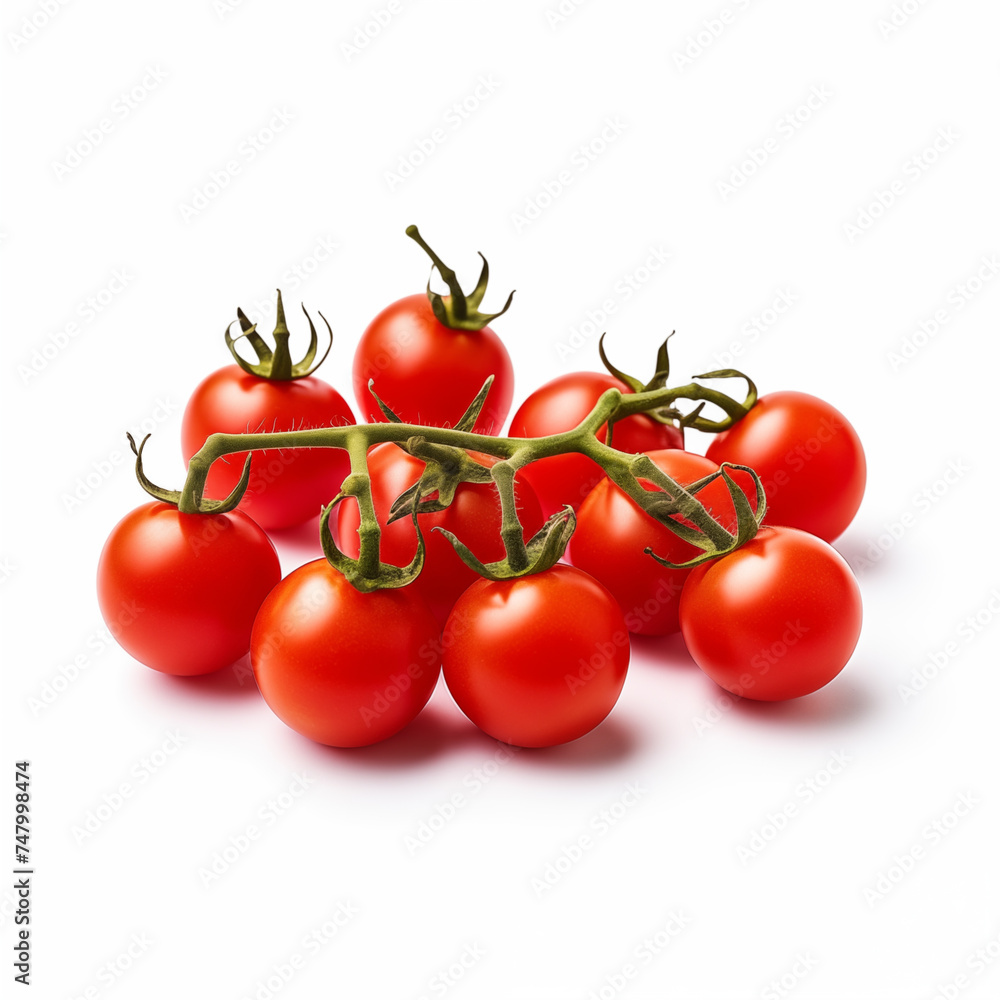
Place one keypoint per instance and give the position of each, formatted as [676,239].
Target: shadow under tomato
[612,743]
[841,702]
[234,681]
[661,651]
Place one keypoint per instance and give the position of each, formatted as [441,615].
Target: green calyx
[722,542]
[666,412]
[175,497]
[457,311]
[276,364]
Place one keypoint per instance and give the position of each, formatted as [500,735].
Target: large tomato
[537,660]
[179,591]
[473,516]
[778,618]
[808,457]
[287,486]
[613,531]
[559,406]
[428,373]
[344,668]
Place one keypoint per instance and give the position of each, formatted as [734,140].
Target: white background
[792,917]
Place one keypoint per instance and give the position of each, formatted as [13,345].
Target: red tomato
[537,660]
[428,373]
[344,668]
[474,517]
[286,486]
[612,533]
[808,457]
[778,618]
[559,406]
[179,591]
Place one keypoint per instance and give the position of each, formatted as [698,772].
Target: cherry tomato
[537,660]
[808,457]
[344,668]
[559,406]
[179,591]
[473,516]
[287,486]
[428,373]
[776,619]
[613,531]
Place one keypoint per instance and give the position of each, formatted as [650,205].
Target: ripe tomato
[287,486]
[537,660]
[612,533]
[778,618]
[179,591]
[428,373]
[808,457]
[473,516]
[559,406]
[344,668]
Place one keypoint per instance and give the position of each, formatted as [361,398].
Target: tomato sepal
[748,520]
[457,311]
[277,365]
[543,550]
[386,576]
[200,504]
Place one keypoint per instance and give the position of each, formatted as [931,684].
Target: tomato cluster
[468,578]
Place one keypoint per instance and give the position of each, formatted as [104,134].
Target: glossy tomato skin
[808,456]
[539,660]
[180,591]
[776,619]
[613,531]
[474,517]
[428,373]
[559,406]
[344,668]
[287,486]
